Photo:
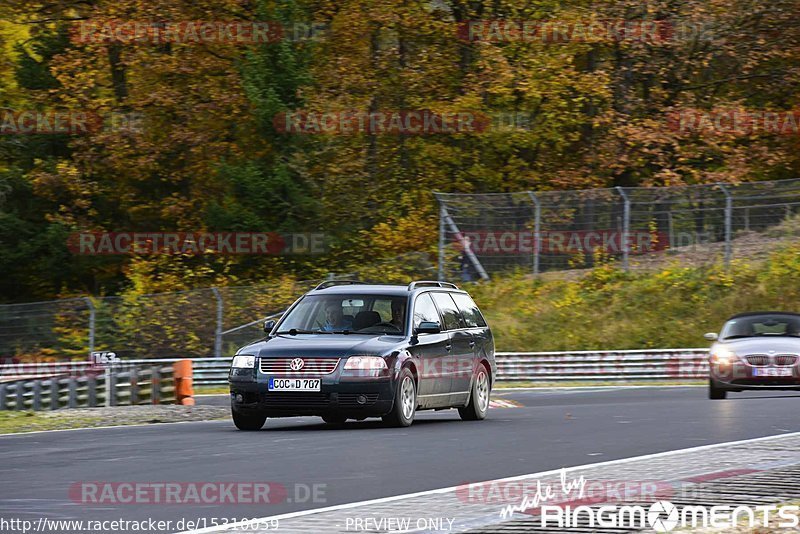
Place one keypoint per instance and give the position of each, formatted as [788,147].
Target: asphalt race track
[363,460]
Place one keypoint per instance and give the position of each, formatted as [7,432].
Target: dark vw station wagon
[348,350]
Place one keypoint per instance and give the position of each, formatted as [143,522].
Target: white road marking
[348,506]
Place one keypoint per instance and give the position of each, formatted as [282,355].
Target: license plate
[294,384]
[773,371]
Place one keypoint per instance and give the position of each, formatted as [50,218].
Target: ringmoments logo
[664,516]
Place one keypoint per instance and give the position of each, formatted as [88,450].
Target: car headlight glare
[722,355]
[365,363]
[245,361]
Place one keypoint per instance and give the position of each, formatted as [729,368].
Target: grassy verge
[608,309]
[12,422]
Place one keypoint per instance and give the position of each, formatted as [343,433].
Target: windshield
[762,325]
[349,313]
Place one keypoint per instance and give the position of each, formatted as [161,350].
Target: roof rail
[330,283]
[430,283]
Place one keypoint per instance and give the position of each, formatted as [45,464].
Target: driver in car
[334,318]
[398,313]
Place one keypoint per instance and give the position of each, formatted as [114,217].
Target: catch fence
[539,231]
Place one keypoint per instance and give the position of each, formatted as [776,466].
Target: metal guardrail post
[3,396]
[72,392]
[537,231]
[54,403]
[626,226]
[155,385]
[92,320]
[19,389]
[218,331]
[134,380]
[728,223]
[91,391]
[36,401]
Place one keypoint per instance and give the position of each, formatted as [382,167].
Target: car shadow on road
[351,425]
[746,397]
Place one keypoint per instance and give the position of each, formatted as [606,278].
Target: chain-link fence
[189,324]
[209,322]
[481,234]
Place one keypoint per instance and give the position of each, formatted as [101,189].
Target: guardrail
[620,365]
[153,384]
[86,385]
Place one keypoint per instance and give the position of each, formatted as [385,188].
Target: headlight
[244,361]
[365,363]
[722,355]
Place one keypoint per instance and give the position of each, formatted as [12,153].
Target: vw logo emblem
[296,364]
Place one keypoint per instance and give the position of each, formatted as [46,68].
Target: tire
[334,419]
[478,405]
[405,401]
[715,393]
[248,422]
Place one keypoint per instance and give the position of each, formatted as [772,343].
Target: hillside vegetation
[609,309]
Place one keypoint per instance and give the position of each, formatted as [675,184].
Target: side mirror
[711,336]
[429,327]
[268,326]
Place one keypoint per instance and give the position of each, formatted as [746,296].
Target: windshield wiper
[739,336]
[295,331]
[341,332]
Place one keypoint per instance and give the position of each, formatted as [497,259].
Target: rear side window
[424,310]
[452,318]
[469,310]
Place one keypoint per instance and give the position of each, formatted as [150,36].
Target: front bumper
[740,375]
[352,397]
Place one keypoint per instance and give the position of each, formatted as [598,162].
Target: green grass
[608,309]
[27,421]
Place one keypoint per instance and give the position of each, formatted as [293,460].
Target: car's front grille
[296,399]
[758,360]
[310,366]
[785,359]
[351,399]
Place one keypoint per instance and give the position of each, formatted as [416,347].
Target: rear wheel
[248,421]
[405,401]
[479,398]
[715,393]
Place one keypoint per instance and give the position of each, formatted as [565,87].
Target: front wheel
[334,419]
[248,421]
[479,398]
[715,393]
[405,401]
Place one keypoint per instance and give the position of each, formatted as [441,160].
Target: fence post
[441,240]
[3,396]
[36,403]
[111,388]
[92,317]
[218,331]
[72,385]
[626,225]
[134,386]
[537,231]
[155,385]
[91,391]
[728,223]
[20,391]
[55,403]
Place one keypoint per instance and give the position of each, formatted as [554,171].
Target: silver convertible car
[758,350]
